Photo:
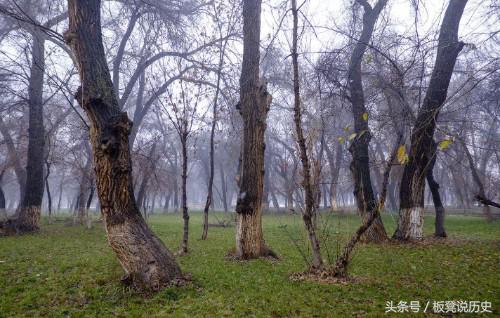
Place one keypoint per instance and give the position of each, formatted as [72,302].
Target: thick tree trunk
[254,105]
[307,182]
[360,166]
[148,264]
[29,212]
[411,209]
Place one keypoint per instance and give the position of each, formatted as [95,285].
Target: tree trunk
[3,212]
[223,187]
[334,173]
[185,214]
[254,105]
[167,202]
[307,182]
[89,202]
[148,264]
[411,207]
[360,165]
[439,230]
[212,146]
[477,181]
[47,189]
[61,186]
[14,159]
[147,174]
[28,218]
[176,184]
[340,267]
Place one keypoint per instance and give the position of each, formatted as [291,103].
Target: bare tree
[148,264]
[254,105]
[411,210]
[363,190]
[307,182]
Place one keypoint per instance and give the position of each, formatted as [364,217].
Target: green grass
[71,272]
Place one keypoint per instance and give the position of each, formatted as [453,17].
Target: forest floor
[67,271]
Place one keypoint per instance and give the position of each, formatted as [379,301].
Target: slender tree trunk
[147,174]
[61,185]
[254,105]
[29,212]
[439,230]
[3,212]
[185,214]
[176,184]
[334,164]
[223,187]
[411,208]
[360,165]
[47,189]
[148,264]
[477,181]
[14,159]
[89,203]
[307,182]
[212,146]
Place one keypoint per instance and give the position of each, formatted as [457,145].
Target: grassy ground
[71,272]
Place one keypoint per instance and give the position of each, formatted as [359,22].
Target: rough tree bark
[254,105]
[307,182]
[411,207]
[148,264]
[363,190]
[28,217]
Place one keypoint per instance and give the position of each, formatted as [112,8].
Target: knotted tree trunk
[360,165]
[254,105]
[411,209]
[149,265]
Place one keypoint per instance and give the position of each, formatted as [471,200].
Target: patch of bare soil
[325,276]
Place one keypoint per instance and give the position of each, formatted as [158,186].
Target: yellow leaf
[443,144]
[352,136]
[365,116]
[341,140]
[347,128]
[402,155]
